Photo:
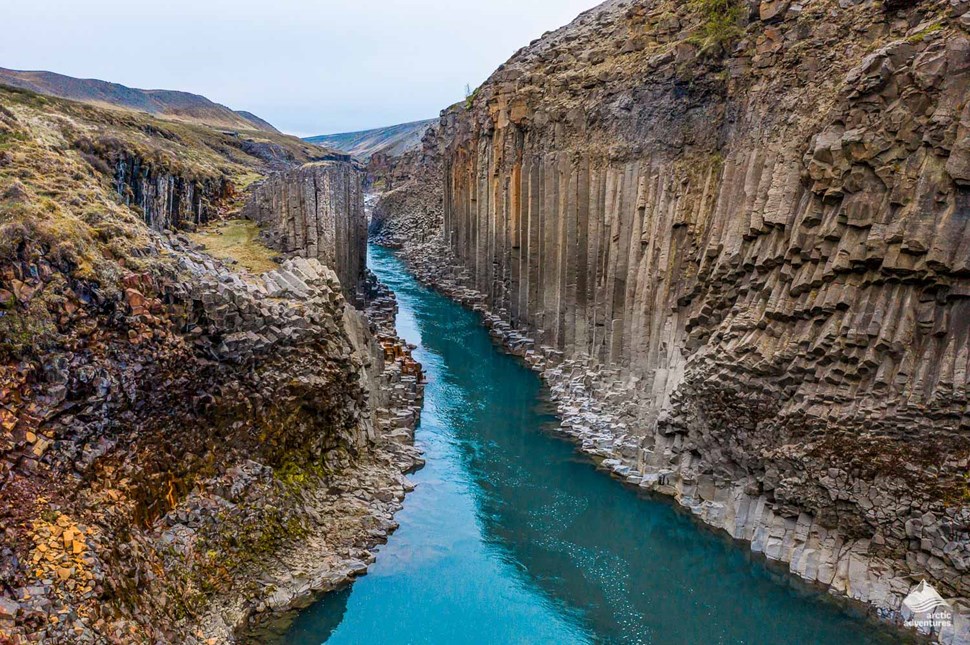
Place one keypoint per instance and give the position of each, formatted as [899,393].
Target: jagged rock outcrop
[171,440]
[316,211]
[184,450]
[738,251]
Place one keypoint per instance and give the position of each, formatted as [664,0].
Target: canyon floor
[511,535]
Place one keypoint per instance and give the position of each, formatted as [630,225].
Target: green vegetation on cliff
[722,22]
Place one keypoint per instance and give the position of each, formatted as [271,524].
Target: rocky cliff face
[177,440]
[316,211]
[168,200]
[735,238]
[409,206]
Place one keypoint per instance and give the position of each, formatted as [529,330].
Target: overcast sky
[307,66]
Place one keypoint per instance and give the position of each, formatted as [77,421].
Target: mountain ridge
[174,105]
[393,140]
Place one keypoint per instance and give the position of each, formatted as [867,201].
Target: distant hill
[393,140]
[168,104]
[252,118]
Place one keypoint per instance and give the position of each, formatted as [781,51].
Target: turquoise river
[512,536]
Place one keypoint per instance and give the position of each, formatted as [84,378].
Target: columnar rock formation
[744,239]
[317,211]
[168,200]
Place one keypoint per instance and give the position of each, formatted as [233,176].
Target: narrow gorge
[662,334]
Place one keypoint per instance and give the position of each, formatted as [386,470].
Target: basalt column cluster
[316,211]
[755,249]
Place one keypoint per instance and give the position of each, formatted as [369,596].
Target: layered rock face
[316,211]
[746,248]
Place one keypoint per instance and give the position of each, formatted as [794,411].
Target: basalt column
[317,211]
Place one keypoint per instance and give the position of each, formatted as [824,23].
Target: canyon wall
[410,201]
[167,200]
[185,449]
[316,211]
[743,239]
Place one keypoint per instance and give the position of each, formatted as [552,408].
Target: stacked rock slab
[316,211]
[744,266]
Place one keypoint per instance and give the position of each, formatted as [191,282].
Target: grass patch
[244,180]
[237,240]
[470,97]
[720,24]
[921,35]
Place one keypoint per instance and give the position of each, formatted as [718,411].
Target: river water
[513,537]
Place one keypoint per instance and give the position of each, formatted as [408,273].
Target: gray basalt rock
[410,209]
[748,286]
[316,211]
